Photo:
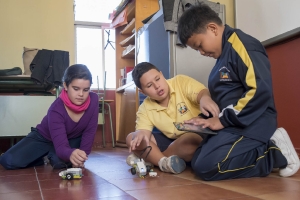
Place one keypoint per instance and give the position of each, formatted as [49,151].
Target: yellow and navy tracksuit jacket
[241,84]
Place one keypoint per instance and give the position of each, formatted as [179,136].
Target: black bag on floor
[10,72]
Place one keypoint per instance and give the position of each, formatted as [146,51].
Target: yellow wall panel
[229,11]
[43,24]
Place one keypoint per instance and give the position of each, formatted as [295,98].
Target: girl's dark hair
[141,69]
[77,71]
[194,20]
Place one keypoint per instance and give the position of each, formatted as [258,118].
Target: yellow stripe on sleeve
[250,76]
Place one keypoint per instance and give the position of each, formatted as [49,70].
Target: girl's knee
[61,165]
[56,162]
[6,161]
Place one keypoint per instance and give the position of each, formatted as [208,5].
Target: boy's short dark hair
[77,71]
[139,70]
[194,20]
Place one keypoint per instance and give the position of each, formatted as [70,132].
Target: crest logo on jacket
[224,74]
[182,108]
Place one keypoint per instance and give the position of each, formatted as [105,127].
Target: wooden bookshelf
[131,11]
[129,28]
[130,53]
[128,41]
[127,99]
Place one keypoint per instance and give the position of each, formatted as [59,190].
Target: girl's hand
[78,157]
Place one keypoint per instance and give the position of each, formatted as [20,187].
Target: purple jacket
[58,127]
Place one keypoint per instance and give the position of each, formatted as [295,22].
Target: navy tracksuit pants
[229,156]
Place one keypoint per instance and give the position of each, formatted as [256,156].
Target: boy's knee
[205,169]
[205,173]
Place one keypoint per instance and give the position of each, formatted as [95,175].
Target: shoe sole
[177,164]
[286,137]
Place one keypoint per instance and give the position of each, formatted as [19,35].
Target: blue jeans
[31,150]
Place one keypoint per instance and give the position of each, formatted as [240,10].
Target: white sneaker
[282,140]
[132,159]
[172,164]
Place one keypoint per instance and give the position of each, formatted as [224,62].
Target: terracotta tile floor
[107,176]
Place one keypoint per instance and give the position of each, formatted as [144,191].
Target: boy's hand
[78,157]
[212,123]
[207,104]
[138,137]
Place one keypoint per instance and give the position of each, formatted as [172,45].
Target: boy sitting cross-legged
[174,100]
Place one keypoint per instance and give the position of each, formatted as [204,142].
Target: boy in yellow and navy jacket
[247,144]
[174,100]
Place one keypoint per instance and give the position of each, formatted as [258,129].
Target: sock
[160,163]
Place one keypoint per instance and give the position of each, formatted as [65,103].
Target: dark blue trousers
[30,152]
[229,156]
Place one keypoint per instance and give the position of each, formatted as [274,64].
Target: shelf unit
[127,100]
[129,29]
[128,41]
[129,52]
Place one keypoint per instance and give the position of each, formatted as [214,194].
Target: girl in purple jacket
[66,133]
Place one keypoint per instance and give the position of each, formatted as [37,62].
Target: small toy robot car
[72,173]
[140,168]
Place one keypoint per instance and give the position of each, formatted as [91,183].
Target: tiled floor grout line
[39,184]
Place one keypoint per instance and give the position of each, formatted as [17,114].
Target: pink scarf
[64,97]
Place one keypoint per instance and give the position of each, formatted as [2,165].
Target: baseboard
[118,144]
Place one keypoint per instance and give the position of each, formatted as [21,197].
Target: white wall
[265,19]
